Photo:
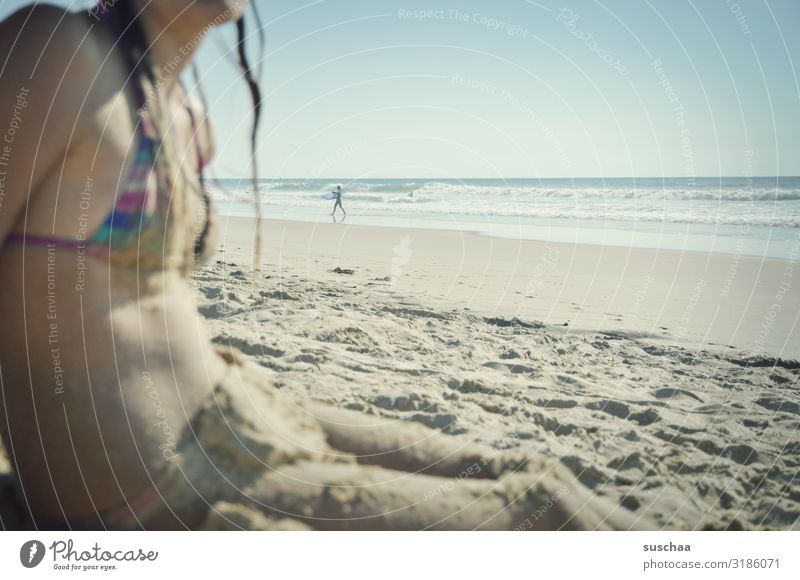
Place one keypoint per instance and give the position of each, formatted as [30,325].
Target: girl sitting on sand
[116,410]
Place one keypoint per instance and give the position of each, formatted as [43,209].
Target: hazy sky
[514,88]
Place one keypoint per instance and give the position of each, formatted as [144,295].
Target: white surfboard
[329,195]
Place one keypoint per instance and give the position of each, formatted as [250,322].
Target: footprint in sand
[556,403]
[778,405]
[671,392]
[741,454]
[615,408]
[646,417]
[625,462]
[514,369]
[471,386]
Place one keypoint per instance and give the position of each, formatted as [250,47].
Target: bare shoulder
[54,51]
[44,30]
[48,60]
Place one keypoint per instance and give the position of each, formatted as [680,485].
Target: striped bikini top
[147,228]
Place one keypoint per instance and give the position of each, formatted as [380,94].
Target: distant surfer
[411,194]
[338,193]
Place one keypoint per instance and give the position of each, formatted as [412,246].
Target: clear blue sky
[367,89]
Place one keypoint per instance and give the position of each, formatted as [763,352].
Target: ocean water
[758,216]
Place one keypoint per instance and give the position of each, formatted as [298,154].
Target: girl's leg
[332,468]
[410,447]
[358,497]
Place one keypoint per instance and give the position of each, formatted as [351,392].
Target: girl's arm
[46,61]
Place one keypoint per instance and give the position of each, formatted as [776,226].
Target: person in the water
[338,203]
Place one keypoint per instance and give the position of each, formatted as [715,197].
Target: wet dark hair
[132,42]
[255,95]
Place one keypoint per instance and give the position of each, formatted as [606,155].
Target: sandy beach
[716,302]
[641,371]
[665,381]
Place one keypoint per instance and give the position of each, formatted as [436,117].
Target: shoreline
[693,299]
[487,234]
[743,240]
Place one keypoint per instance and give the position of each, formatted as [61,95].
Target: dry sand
[466,334]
